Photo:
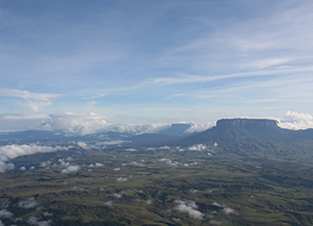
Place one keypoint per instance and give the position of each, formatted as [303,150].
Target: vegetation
[158,187]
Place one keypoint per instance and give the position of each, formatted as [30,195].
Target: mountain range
[247,138]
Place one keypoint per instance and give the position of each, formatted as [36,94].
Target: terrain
[240,172]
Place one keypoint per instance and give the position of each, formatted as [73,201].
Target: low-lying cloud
[189,207]
[12,151]
[296,121]
[36,222]
[5,214]
[28,203]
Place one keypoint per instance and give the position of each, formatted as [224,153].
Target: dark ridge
[176,129]
[151,139]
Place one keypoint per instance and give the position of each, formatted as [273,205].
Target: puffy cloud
[35,221]
[5,214]
[197,127]
[296,121]
[70,169]
[6,166]
[116,195]
[84,124]
[169,162]
[97,165]
[75,123]
[189,207]
[137,128]
[228,211]
[225,210]
[121,179]
[197,147]
[82,144]
[108,203]
[23,168]
[28,203]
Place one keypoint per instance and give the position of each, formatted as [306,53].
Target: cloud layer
[12,151]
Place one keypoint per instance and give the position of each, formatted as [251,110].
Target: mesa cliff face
[254,124]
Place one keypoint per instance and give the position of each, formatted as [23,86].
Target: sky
[97,63]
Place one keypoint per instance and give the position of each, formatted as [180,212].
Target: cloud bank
[12,151]
[85,124]
[296,121]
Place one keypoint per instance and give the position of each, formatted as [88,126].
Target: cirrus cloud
[33,100]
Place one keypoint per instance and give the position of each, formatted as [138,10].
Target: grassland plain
[157,187]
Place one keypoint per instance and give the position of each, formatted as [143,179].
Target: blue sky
[149,61]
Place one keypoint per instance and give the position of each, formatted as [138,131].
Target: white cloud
[189,207]
[6,166]
[5,214]
[36,222]
[28,203]
[134,163]
[198,127]
[121,179]
[82,144]
[228,211]
[97,165]
[33,100]
[116,195]
[198,147]
[169,162]
[74,123]
[108,203]
[47,214]
[70,169]
[296,121]
[269,62]
[12,151]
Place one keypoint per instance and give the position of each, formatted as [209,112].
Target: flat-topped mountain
[255,138]
[250,124]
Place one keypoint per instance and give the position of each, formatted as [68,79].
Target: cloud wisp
[33,100]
